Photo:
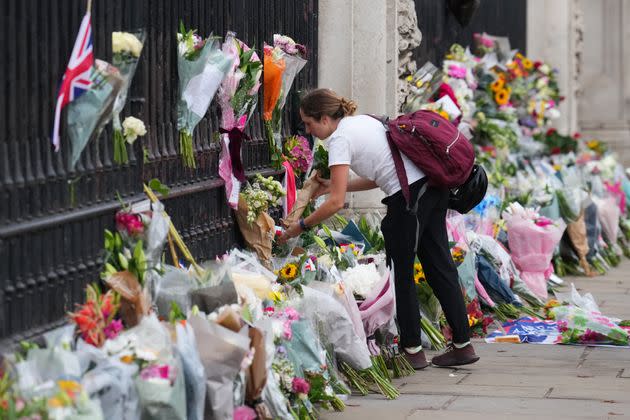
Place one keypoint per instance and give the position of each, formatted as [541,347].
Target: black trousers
[401,230]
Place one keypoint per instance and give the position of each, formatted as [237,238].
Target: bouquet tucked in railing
[238,97]
[201,66]
[282,63]
[256,225]
[126,49]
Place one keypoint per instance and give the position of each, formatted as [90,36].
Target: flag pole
[89,6]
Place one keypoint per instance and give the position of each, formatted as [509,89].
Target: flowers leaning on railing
[282,63]
[256,225]
[299,154]
[95,319]
[126,49]
[238,97]
[201,66]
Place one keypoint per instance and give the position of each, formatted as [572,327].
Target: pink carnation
[300,386]
[113,329]
[457,72]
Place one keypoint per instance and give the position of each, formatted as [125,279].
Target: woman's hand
[324,187]
[291,232]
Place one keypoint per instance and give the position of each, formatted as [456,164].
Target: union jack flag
[76,80]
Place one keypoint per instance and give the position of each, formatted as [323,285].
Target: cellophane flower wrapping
[193,370]
[238,97]
[532,244]
[579,326]
[334,324]
[221,352]
[92,111]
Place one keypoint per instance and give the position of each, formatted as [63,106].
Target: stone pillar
[359,43]
[554,36]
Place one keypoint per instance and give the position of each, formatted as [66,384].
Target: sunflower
[497,85]
[527,64]
[288,272]
[502,97]
[418,273]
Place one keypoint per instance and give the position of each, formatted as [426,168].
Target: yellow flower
[409,78]
[502,97]
[592,144]
[472,321]
[419,83]
[557,167]
[128,359]
[288,272]
[55,402]
[519,56]
[69,386]
[418,275]
[527,64]
[276,296]
[497,85]
[444,114]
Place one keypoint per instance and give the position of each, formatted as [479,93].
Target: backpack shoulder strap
[398,162]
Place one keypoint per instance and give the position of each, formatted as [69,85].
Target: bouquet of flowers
[430,308]
[299,155]
[580,326]
[556,143]
[255,224]
[238,97]
[14,406]
[95,319]
[201,65]
[532,240]
[70,401]
[88,114]
[126,49]
[422,84]
[282,63]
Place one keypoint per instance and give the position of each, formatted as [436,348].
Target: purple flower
[113,329]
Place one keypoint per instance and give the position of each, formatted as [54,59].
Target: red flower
[577,136]
[555,150]
[300,386]
[132,223]
[537,64]
[551,131]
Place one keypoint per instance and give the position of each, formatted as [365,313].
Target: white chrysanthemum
[133,128]
[361,278]
[124,42]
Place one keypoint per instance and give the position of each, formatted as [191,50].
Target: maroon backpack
[434,145]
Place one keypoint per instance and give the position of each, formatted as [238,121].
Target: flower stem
[120,148]
[186,149]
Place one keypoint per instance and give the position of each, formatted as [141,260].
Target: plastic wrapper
[111,382]
[577,234]
[466,272]
[586,301]
[174,286]
[208,299]
[378,309]
[608,213]
[156,235]
[193,370]
[221,352]
[92,111]
[248,272]
[592,228]
[43,365]
[334,324]
[532,247]
[304,349]
[163,400]
[583,327]
[492,283]
[272,394]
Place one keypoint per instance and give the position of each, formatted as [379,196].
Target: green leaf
[158,187]
[175,314]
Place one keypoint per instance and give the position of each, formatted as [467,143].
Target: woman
[360,143]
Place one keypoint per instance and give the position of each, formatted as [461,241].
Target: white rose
[133,128]
[134,44]
[119,42]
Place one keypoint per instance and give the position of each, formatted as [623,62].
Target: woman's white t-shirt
[360,141]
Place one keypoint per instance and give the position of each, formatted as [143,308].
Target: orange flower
[497,85]
[502,97]
[272,82]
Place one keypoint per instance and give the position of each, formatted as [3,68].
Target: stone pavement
[525,381]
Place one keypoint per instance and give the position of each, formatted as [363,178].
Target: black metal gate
[51,218]
[440,29]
